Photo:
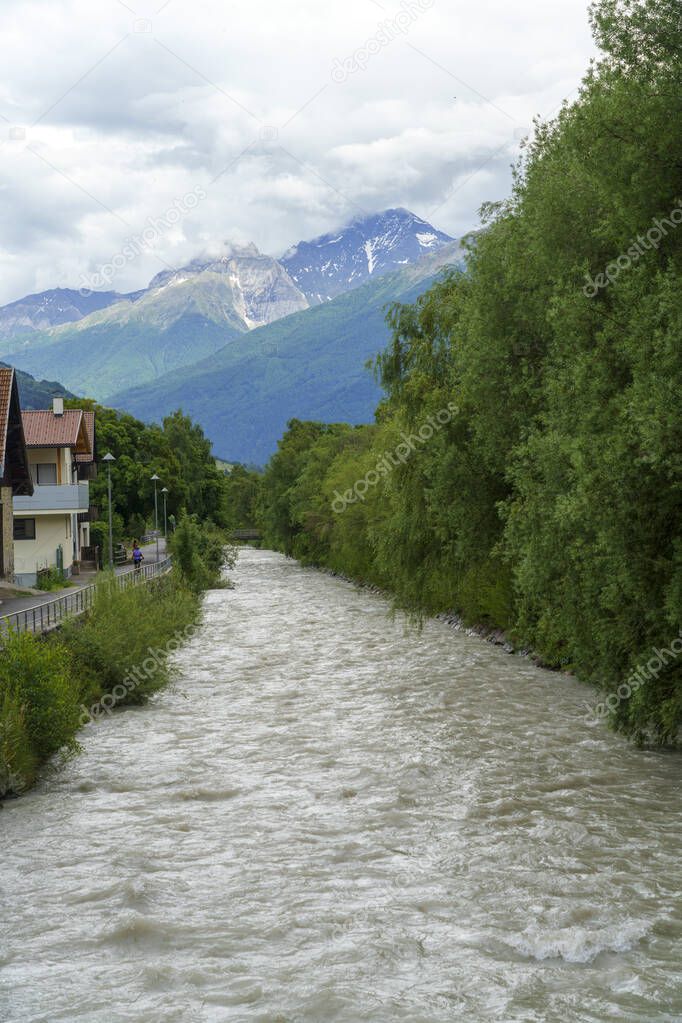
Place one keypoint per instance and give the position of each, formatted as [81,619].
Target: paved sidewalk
[8,607]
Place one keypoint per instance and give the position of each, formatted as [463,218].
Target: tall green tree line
[177,451]
[550,502]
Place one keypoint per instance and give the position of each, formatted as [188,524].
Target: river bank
[116,654]
[52,685]
[495,636]
[330,815]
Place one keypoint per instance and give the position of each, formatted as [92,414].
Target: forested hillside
[524,468]
[36,394]
[310,365]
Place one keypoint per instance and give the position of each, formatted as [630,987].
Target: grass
[47,682]
[39,708]
[125,628]
[115,655]
[52,579]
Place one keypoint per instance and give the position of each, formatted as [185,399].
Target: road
[8,607]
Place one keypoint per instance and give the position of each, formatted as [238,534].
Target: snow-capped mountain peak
[368,246]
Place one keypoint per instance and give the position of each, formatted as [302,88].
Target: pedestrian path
[33,613]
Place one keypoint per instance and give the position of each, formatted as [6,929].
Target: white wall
[30,555]
[61,457]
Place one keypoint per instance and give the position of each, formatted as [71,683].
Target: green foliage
[550,502]
[200,552]
[18,761]
[177,451]
[51,579]
[241,490]
[123,629]
[138,525]
[279,526]
[39,707]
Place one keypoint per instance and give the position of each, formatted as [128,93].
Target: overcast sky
[281,120]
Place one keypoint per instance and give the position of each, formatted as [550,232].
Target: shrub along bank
[116,655]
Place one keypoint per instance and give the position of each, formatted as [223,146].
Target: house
[15,478]
[52,525]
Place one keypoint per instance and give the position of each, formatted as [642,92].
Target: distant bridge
[246,534]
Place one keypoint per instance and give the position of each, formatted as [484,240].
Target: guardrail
[150,537]
[43,617]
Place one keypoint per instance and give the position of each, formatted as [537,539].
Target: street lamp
[156,479]
[109,458]
[165,491]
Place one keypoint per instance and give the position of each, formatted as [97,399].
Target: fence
[150,537]
[44,617]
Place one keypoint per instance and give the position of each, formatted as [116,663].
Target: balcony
[46,500]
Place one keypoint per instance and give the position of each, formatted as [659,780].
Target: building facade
[51,526]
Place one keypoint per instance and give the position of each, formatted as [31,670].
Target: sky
[136,135]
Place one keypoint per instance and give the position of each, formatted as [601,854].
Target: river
[333,817]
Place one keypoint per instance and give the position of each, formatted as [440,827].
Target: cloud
[109,113]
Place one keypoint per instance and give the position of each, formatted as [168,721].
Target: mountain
[369,246]
[182,317]
[35,394]
[105,343]
[49,309]
[310,365]
[261,290]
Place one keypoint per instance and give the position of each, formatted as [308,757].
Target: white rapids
[331,816]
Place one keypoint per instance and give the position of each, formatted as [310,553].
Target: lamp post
[156,479]
[109,458]
[165,493]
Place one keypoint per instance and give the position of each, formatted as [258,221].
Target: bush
[39,707]
[124,629]
[137,526]
[118,652]
[99,533]
[200,552]
[51,579]
[18,760]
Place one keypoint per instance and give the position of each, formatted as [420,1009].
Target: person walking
[138,556]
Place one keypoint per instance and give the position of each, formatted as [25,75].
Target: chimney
[58,406]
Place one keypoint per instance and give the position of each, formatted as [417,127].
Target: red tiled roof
[89,423]
[43,429]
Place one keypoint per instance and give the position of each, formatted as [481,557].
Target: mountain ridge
[367,246]
[370,245]
[186,315]
[37,312]
[309,365]
[37,394]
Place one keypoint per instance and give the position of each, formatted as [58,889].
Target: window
[46,474]
[24,529]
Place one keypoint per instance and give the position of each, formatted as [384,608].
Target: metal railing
[246,534]
[43,617]
[150,537]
